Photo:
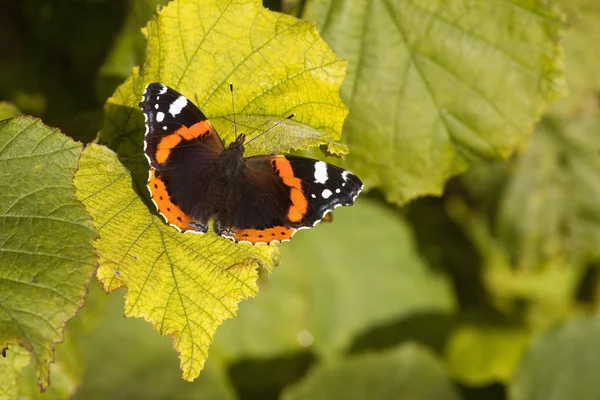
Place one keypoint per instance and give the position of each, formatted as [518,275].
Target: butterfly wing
[281,194]
[181,146]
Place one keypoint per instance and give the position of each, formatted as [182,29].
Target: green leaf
[435,86]
[125,359]
[278,64]
[581,57]
[408,372]
[185,285]
[550,210]
[334,284]
[561,364]
[8,110]
[12,361]
[46,254]
[482,355]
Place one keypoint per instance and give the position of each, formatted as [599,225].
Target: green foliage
[488,291]
[434,87]
[323,295]
[561,363]
[42,281]
[186,285]
[409,372]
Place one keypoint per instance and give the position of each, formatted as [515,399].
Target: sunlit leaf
[435,86]
[278,65]
[12,362]
[184,284]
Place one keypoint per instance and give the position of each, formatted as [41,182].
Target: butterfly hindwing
[281,194]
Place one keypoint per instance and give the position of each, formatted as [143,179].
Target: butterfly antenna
[233,110]
[274,126]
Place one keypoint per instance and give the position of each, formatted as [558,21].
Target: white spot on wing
[160,116]
[337,190]
[345,175]
[313,196]
[176,107]
[156,106]
[164,127]
[163,90]
[320,172]
[326,193]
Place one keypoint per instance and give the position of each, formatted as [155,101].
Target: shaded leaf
[127,50]
[334,284]
[408,372]
[435,86]
[561,364]
[482,355]
[184,284]
[46,254]
[278,64]
[550,210]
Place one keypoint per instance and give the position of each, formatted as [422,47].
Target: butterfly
[194,178]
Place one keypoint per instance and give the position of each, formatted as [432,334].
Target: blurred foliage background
[487,292]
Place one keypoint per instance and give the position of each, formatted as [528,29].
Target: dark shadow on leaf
[123,133]
[431,329]
[265,379]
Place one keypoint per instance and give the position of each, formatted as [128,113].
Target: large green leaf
[185,285]
[46,254]
[336,281]
[581,57]
[278,64]
[435,86]
[408,372]
[561,364]
[550,210]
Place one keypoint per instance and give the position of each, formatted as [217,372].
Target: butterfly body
[259,199]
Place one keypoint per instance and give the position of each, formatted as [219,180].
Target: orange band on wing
[268,235]
[173,214]
[167,143]
[299,206]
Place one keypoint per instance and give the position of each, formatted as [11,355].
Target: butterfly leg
[198,227]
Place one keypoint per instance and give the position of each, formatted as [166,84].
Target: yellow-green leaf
[437,85]
[46,254]
[12,362]
[184,284]
[8,110]
[482,355]
[278,65]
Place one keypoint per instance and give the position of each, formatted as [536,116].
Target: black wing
[281,194]
[181,145]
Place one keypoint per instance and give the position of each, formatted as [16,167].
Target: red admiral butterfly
[259,199]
